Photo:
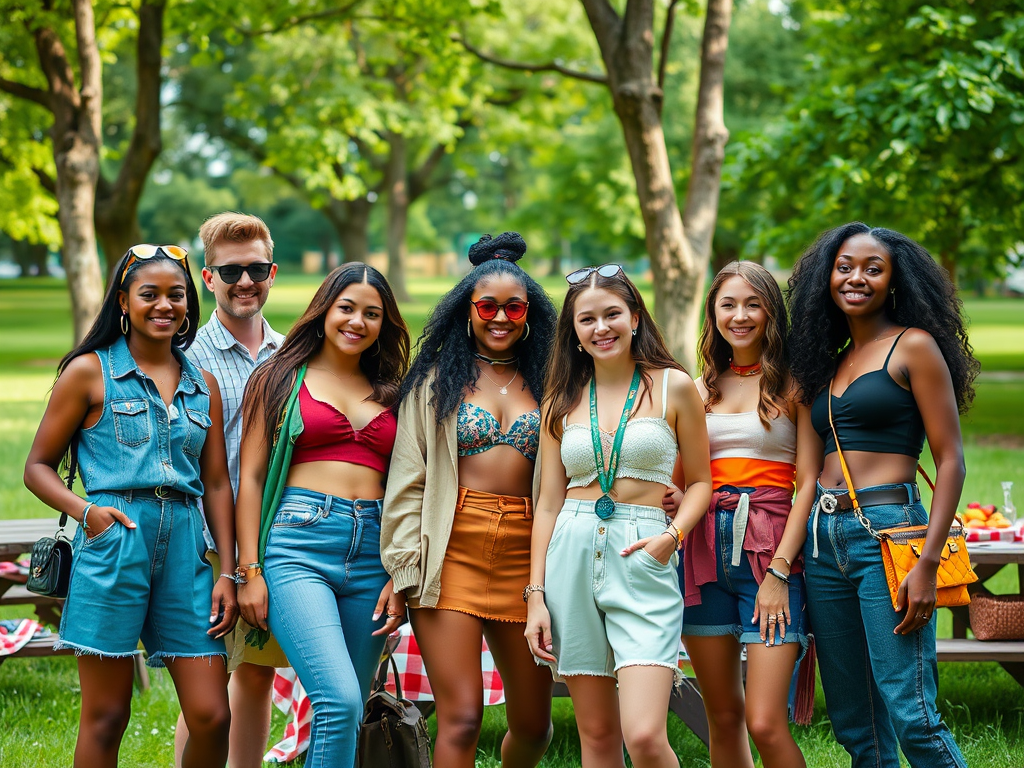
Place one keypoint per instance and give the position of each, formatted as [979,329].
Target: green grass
[39,697]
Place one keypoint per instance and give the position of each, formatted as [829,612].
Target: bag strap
[70,479]
[839,450]
[928,480]
[380,679]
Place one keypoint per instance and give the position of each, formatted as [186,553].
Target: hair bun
[508,246]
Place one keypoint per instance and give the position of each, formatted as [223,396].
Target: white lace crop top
[742,435]
[648,449]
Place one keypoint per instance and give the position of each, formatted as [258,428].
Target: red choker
[745,370]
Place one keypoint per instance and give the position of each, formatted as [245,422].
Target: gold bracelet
[783,559]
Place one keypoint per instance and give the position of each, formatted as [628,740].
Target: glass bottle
[1009,510]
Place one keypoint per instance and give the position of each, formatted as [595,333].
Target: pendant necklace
[605,507]
[745,370]
[502,388]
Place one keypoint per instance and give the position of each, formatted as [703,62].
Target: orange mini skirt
[487,562]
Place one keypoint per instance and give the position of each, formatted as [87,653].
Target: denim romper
[151,582]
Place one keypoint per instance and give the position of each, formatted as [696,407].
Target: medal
[605,507]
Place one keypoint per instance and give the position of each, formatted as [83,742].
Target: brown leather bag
[393,733]
[901,547]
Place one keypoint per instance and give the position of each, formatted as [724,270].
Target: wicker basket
[997,617]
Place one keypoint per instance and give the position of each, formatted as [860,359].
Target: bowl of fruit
[984,522]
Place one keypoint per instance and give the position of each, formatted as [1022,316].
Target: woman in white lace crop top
[604,607]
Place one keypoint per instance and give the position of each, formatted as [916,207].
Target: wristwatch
[529,589]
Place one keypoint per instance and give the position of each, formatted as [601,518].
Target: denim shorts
[609,611]
[151,582]
[727,604]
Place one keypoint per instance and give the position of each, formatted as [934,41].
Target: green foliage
[912,118]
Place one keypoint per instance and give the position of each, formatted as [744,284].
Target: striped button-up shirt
[217,351]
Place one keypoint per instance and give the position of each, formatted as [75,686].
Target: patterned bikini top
[479,431]
[648,449]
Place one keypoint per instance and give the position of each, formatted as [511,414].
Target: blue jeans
[324,576]
[880,687]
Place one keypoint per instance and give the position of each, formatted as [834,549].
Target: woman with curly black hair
[458,512]
[879,350]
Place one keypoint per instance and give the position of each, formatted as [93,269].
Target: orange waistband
[494,501]
[755,473]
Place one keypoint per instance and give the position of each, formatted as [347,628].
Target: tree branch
[552,66]
[605,22]
[295,21]
[27,92]
[666,38]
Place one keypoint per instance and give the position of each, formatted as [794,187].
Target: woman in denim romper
[878,338]
[604,607]
[309,529]
[150,443]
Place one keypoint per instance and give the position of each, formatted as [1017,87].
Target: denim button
[601,531]
[598,555]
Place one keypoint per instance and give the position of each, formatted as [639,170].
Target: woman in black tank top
[877,335]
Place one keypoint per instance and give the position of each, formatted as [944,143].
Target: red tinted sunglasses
[488,310]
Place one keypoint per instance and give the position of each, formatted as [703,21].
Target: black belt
[161,492]
[876,498]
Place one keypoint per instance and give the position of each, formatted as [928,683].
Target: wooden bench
[38,647]
[46,608]
[1008,653]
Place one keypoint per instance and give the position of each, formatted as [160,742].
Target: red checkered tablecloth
[290,698]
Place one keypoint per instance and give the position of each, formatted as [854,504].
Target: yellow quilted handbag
[901,548]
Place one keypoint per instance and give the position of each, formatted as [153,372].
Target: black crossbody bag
[49,571]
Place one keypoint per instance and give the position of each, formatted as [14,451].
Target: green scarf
[289,428]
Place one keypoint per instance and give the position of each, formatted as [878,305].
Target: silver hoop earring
[527,334]
[634,331]
[187,326]
[124,323]
[319,333]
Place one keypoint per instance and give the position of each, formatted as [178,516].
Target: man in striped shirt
[239,269]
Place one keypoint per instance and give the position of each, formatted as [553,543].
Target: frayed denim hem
[85,650]
[156,661]
[747,638]
[677,673]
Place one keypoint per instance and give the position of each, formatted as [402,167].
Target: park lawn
[39,698]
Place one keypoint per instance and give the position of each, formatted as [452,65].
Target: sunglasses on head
[605,270]
[147,251]
[232,273]
[488,310]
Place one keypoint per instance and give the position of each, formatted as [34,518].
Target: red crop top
[327,435]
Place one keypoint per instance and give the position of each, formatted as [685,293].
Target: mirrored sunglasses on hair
[488,310]
[232,273]
[605,270]
[147,251]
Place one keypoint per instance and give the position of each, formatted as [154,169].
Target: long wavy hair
[571,368]
[924,298]
[715,352]
[271,383]
[106,328]
[446,348]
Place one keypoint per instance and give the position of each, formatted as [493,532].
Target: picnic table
[16,538]
[988,558]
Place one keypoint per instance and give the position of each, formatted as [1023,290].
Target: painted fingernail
[376,616]
[213,617]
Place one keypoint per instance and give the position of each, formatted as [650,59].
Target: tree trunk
[398,214]
[563,252]
[117,203]
[948,261]
[75,135]
[679,257]
[351,220]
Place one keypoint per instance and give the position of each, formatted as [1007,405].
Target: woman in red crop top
[318,431]
[878,340]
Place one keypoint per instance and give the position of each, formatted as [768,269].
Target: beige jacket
[419,503]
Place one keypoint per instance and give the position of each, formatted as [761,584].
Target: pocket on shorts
[296,514]
[197,424]
[646,529]
[562,521]
[131,421]
[105,535]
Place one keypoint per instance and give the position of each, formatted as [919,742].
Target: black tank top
[874,414]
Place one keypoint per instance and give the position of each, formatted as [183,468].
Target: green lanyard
[605,507]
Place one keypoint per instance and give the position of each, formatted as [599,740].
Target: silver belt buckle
[828,503]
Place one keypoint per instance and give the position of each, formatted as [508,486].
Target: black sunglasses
[232,273]
[605,270]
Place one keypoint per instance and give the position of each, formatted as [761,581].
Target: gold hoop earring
[469,328]
[374,354]
[187,326]
[893,294]
[527,334]
[124,323]
[579,347]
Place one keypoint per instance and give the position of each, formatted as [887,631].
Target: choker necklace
[496,361]
[745,370]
